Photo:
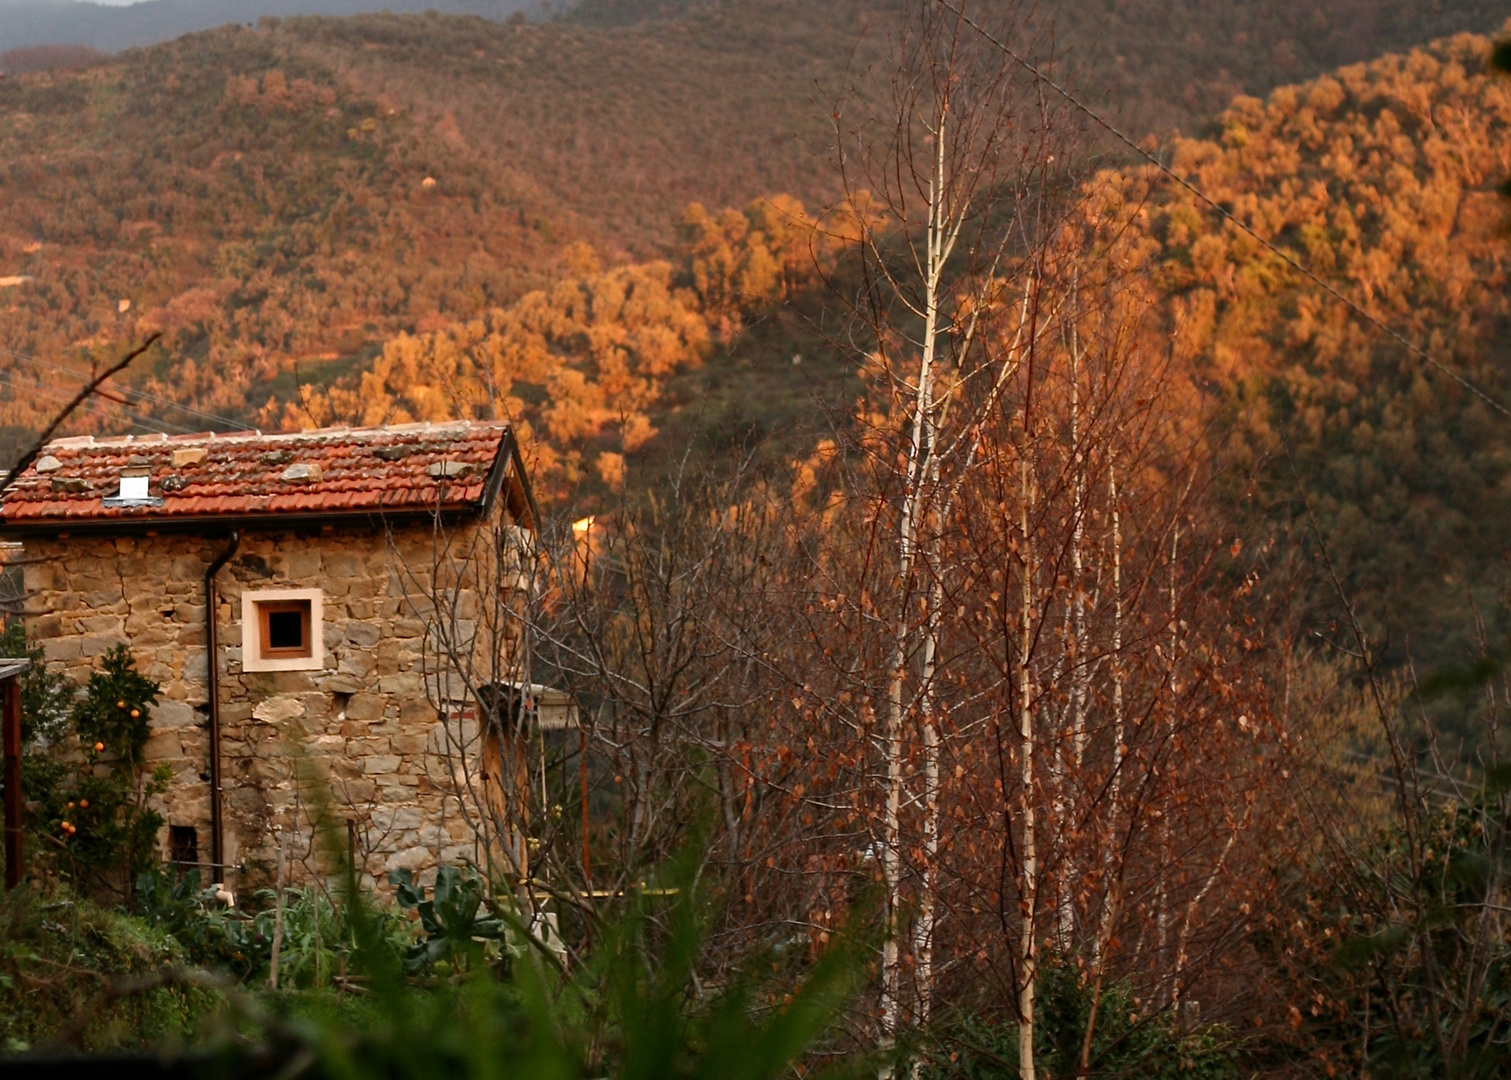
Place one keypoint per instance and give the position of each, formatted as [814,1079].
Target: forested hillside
[112,26]
[251,206]
[293,197]
[283,201]
[1382,179]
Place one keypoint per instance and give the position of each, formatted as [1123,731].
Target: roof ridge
[377,431]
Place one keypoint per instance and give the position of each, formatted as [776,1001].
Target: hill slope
[1382,179]
[262,195]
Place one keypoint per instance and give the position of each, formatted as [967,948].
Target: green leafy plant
[212,935]
[316,939]
[455,921]
[632,1008]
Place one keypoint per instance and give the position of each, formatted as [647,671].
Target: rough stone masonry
[404,609]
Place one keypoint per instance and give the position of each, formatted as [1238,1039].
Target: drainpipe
[212,668]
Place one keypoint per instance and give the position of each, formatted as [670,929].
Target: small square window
[280,630]
[285,628]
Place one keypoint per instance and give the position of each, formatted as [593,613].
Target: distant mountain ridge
[24,23]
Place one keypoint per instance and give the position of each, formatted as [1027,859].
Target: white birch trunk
[1075,639]
[1111,887]
[1161,896]
[1183,939]
[923,935]
[1029,883]
[938,240]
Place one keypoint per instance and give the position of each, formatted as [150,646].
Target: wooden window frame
[268,608]
[254,630]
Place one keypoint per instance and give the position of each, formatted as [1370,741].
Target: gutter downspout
[212,668]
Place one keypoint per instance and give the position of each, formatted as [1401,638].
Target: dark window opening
[502,709]
[183,844]
[285,628]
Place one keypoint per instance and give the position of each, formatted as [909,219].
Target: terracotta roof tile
[357,470]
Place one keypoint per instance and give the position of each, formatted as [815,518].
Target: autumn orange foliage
[584,362]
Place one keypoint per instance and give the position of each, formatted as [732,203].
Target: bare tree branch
[82,396]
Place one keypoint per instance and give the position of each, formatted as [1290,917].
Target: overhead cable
[137,395]
[152,423]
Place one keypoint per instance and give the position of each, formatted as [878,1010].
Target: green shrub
[1126,1040]
[211,935]
[317,940]
[633,1008]
[62,960]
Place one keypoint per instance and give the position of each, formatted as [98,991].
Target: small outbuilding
[327,608]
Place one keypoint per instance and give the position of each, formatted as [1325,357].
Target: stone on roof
[378,470]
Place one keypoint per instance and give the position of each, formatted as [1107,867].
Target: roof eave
[217,523]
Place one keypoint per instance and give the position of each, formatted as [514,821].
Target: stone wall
[368,731]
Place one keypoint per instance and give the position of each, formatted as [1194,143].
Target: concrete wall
[368,730]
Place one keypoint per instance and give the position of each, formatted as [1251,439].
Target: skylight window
[134,487]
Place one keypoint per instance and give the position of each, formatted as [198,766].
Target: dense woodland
[263,196]
[967,539]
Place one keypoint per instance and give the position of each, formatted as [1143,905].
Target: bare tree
[1018,554]
[983,648]
[957,176]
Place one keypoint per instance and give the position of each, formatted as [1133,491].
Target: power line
[1098,119]
[106,405]
[138,395]
[136,418]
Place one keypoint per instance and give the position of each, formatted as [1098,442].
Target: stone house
[320,607]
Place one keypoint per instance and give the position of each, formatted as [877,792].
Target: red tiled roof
[413,467]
